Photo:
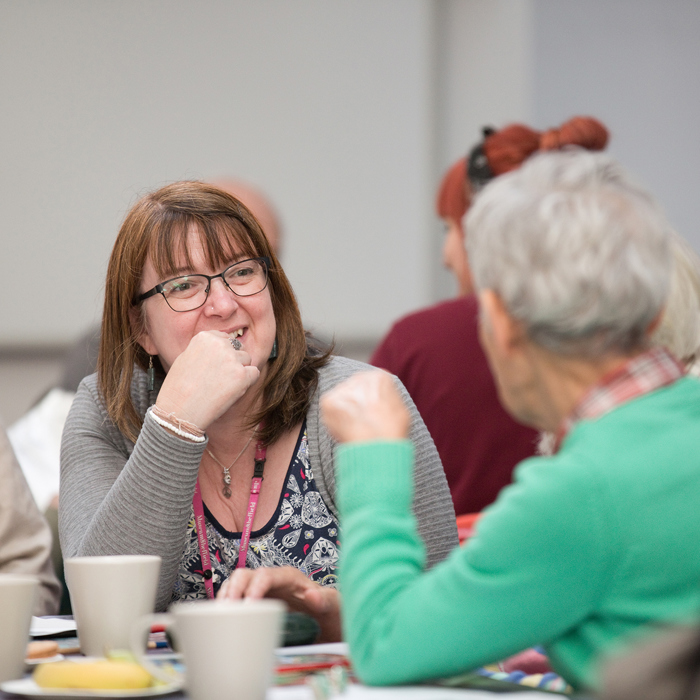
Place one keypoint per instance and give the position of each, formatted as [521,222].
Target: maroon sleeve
[436,354]
[384,355]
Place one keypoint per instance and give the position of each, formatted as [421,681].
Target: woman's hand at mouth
[206,379]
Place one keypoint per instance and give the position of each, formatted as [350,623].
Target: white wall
[324,105]
[635,64]
[345,113]
[484,76]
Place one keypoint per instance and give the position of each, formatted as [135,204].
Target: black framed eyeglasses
[188,292]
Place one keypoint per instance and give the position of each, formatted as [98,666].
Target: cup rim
[217,607]
[12,578]
[113,559]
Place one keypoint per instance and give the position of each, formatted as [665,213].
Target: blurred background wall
[345,114]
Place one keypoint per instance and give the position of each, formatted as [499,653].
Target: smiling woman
[195,228]
[207,383]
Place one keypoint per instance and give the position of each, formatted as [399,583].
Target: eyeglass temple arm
[150,293]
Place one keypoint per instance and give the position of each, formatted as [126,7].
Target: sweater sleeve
[530,574]
[119,498]
[432,504]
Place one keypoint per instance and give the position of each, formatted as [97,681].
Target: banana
[97,675]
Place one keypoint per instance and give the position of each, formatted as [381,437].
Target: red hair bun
[585,132]
[507,149]
[452,199]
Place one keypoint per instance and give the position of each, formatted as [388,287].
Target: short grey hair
[576,251]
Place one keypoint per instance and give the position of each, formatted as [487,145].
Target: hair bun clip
[478,169]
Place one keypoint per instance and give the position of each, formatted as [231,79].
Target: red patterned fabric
[644,373]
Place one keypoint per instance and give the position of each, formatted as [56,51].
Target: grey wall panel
[324,105]
[636,65]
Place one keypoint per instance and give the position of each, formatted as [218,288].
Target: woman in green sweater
[572,266]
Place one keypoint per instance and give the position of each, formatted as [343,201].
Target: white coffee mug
[17,598]
[108,594]
[228,646]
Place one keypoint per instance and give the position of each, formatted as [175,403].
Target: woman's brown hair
[157,227]
[508,149]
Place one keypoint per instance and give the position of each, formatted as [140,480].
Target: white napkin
[42,626]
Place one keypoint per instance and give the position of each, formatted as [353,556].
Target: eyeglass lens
[190,291]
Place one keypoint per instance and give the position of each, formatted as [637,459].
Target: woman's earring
[273,352]
[151,374]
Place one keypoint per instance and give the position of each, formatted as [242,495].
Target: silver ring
[235,343]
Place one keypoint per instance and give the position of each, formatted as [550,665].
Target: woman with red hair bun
[498,153]
[436,353]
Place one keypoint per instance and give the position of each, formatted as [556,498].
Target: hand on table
[294,588]
[206,379]
[365,407]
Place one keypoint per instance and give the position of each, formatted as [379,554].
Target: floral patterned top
[302,533]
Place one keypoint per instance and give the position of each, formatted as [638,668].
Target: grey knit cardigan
[118,497]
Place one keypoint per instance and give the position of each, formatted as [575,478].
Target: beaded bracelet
[193,433]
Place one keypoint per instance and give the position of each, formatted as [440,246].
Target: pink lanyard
[201,528]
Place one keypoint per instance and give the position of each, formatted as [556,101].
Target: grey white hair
[679,330]
[575,250]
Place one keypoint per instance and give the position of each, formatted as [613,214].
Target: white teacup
[17,598]
[228,646]
[108,594]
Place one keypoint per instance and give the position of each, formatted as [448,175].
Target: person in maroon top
[436,353]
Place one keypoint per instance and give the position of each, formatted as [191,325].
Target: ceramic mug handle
[139,633]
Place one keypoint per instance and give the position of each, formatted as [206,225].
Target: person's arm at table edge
[396,618]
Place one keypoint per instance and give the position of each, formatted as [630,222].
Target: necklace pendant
[227,478]
[227,491]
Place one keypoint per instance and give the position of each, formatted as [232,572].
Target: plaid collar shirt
[643,374]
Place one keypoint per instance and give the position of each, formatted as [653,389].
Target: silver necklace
[227,476]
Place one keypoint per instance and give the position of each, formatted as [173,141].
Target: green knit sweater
[582,551]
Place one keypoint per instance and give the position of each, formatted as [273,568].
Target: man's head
[260,205]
